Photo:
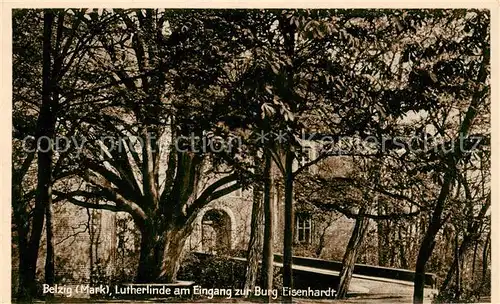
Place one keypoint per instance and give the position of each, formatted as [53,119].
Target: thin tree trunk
[470,236]
[22,227]
[425,251]
[382,237]
[457,257]
[45,129]
[474,258]
[435,224]
[428,242]
[321,243]
[289,224]
[393,248]
[351,254]
[255,244]
[267,272]
[49,258]
[486,248]
[23,292]
[402,253]
[97,217]
[382,257]
[91,244]
[458,279]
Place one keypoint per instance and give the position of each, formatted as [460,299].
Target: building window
[308,155]
[303,228]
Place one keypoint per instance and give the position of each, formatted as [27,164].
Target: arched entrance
[216,231]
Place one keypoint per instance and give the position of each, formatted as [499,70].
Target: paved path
[367,284]
[368,289]
[364,289]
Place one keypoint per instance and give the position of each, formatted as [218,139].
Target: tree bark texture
[45,129]
[289,224]
[267,272]
[351,254]
[254,250]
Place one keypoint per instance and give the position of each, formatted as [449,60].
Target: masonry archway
[216,231]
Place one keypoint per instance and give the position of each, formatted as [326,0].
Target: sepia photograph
[270,155]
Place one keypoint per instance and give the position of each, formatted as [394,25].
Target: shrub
[213,271]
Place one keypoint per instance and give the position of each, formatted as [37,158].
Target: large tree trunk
[173,254]
[255,244]
[268,247]
[289,224]
[351,254]
[161,254]
[149,259]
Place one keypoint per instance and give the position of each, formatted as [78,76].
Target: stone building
[92,245]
